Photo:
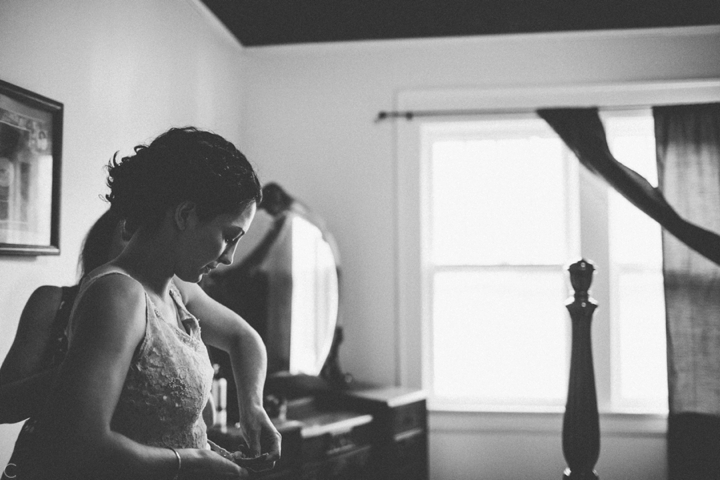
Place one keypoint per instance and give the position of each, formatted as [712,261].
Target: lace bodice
[168,382]
[167,385]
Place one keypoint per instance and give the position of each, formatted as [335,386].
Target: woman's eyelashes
[231,239]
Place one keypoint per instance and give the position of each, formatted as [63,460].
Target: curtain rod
[410,114]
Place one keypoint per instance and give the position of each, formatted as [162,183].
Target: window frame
[413,308]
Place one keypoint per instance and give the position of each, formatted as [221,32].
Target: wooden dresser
[399,428]
[360,433]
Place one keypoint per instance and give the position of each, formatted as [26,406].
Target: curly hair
[182,164]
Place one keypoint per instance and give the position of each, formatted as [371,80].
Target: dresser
[363,432]
[399,428]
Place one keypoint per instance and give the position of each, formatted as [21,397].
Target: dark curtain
[688,161]
[688,153]
[583,132]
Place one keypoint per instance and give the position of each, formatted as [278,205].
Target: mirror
[284,281]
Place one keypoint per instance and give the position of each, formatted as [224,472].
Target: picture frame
[31,129]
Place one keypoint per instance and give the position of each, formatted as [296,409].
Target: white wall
[125,71]
[310,113]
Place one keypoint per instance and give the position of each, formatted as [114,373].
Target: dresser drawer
[328,434]
[351,465]
[415,471]
[409,417]
[275,474]
[409,448]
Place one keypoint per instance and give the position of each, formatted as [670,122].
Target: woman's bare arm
[24,398]
[23,384]
[224,329]
[32,336]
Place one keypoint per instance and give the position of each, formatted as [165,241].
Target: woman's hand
[204,464]
[259,433]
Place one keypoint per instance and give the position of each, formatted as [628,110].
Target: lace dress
[167,385]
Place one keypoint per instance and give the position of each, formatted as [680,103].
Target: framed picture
[30,161]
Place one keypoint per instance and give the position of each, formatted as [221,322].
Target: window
[506,207]
[637,300]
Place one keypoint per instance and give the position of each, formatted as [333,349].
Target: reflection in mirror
[314,304]
[285,282]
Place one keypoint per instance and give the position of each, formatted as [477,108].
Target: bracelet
[179,463]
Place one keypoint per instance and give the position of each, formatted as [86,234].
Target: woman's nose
[227,256]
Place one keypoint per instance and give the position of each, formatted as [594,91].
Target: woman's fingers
[271,442]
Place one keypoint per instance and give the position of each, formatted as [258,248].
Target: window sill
[611,424]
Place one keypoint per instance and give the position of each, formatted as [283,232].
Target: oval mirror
[285,282]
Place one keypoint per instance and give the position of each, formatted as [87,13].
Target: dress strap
[188,320]
[56,353]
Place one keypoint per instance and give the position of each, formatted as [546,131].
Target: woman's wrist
[250,401]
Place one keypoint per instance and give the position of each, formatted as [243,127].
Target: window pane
[498,201]
[639,358]
[632,142]
[634,237]
[642,368]
[500,337]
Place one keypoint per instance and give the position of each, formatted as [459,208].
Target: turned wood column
[581,429]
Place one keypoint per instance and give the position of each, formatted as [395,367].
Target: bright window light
[503,329]
[639,377]
[503,219]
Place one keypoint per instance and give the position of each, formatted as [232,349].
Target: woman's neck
[147,258]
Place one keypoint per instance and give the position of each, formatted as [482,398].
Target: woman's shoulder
[111,283]
[46,295]
[111,302]
[110,273]
[42,304]
[36,321]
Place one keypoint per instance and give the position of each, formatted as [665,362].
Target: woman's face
[206,244]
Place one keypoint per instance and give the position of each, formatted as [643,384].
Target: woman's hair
[182,164]
[98,243]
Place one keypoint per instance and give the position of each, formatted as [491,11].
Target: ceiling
[278,22]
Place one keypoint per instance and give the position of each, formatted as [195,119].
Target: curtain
[688,153]
[582,130]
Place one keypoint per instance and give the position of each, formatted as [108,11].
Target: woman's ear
[184,213]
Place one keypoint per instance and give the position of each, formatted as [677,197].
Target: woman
[40,343]
[128,396]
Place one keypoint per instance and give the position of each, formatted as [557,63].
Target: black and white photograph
[360,239]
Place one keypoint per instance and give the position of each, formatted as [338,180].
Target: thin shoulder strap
[87,281]
[66,302]
[58,348]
